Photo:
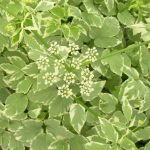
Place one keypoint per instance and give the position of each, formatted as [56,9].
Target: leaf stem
[131,47]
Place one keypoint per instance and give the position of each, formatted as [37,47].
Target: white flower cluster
[69,78]
[59,63]
[65,91]
[91,54]
[86,74]
[42,63]
[76,63]
[73,48]
[86,82]
[50,78]
[86,87]
[54,48]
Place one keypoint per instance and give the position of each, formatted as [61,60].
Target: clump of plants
[74,74]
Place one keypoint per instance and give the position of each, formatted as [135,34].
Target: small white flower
[86,87]
[86,74]
[69,78]
[59,63]
[73,48]
[42,63]
[54,48]
[65,91]
[50,78]
[76,63]
[91,54]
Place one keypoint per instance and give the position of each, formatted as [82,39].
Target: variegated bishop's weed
[74,75]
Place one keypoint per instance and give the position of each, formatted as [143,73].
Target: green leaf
[42,142]
[52,27]
[109,4]
[77,142]
[99,67]
[58,105]
[146,103]
[66,31]
[3,42]
[15,104]
[115,147]
[119,120]
[147,147]
[126,18]
[107,102]
[31,42]
[144,60]
[13,79]
[116,62]
[132,90]
[29,130]
[97,86]
[96,146]
[89,5]
[44,6]
[127,109]
[76,30]
[14,8]
[3,26]
[58,131]
[31,70]
[4,140]
[59,145]
[3,121]
[127,144]
[4,93]
[17,37]
[108,130]
[131,72]
[110,27]
[74,12]
[14,125]
[24,85]
[43,96]
[77,117]
[9,68]
[106,42]
[143,134]
[34,113]
[14,144]
[58,11]
[93,20]
[17,61]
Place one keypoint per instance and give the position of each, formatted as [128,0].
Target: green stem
[131,47]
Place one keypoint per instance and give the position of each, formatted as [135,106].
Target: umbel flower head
[76,63]
[65,91]
[86,82]
[59,63]
[54,48]
[42,63]
[91,54]
[73,48]
[69,78]
[86,87]
[50,78]
[86,74]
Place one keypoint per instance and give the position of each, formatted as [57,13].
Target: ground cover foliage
[75,74]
